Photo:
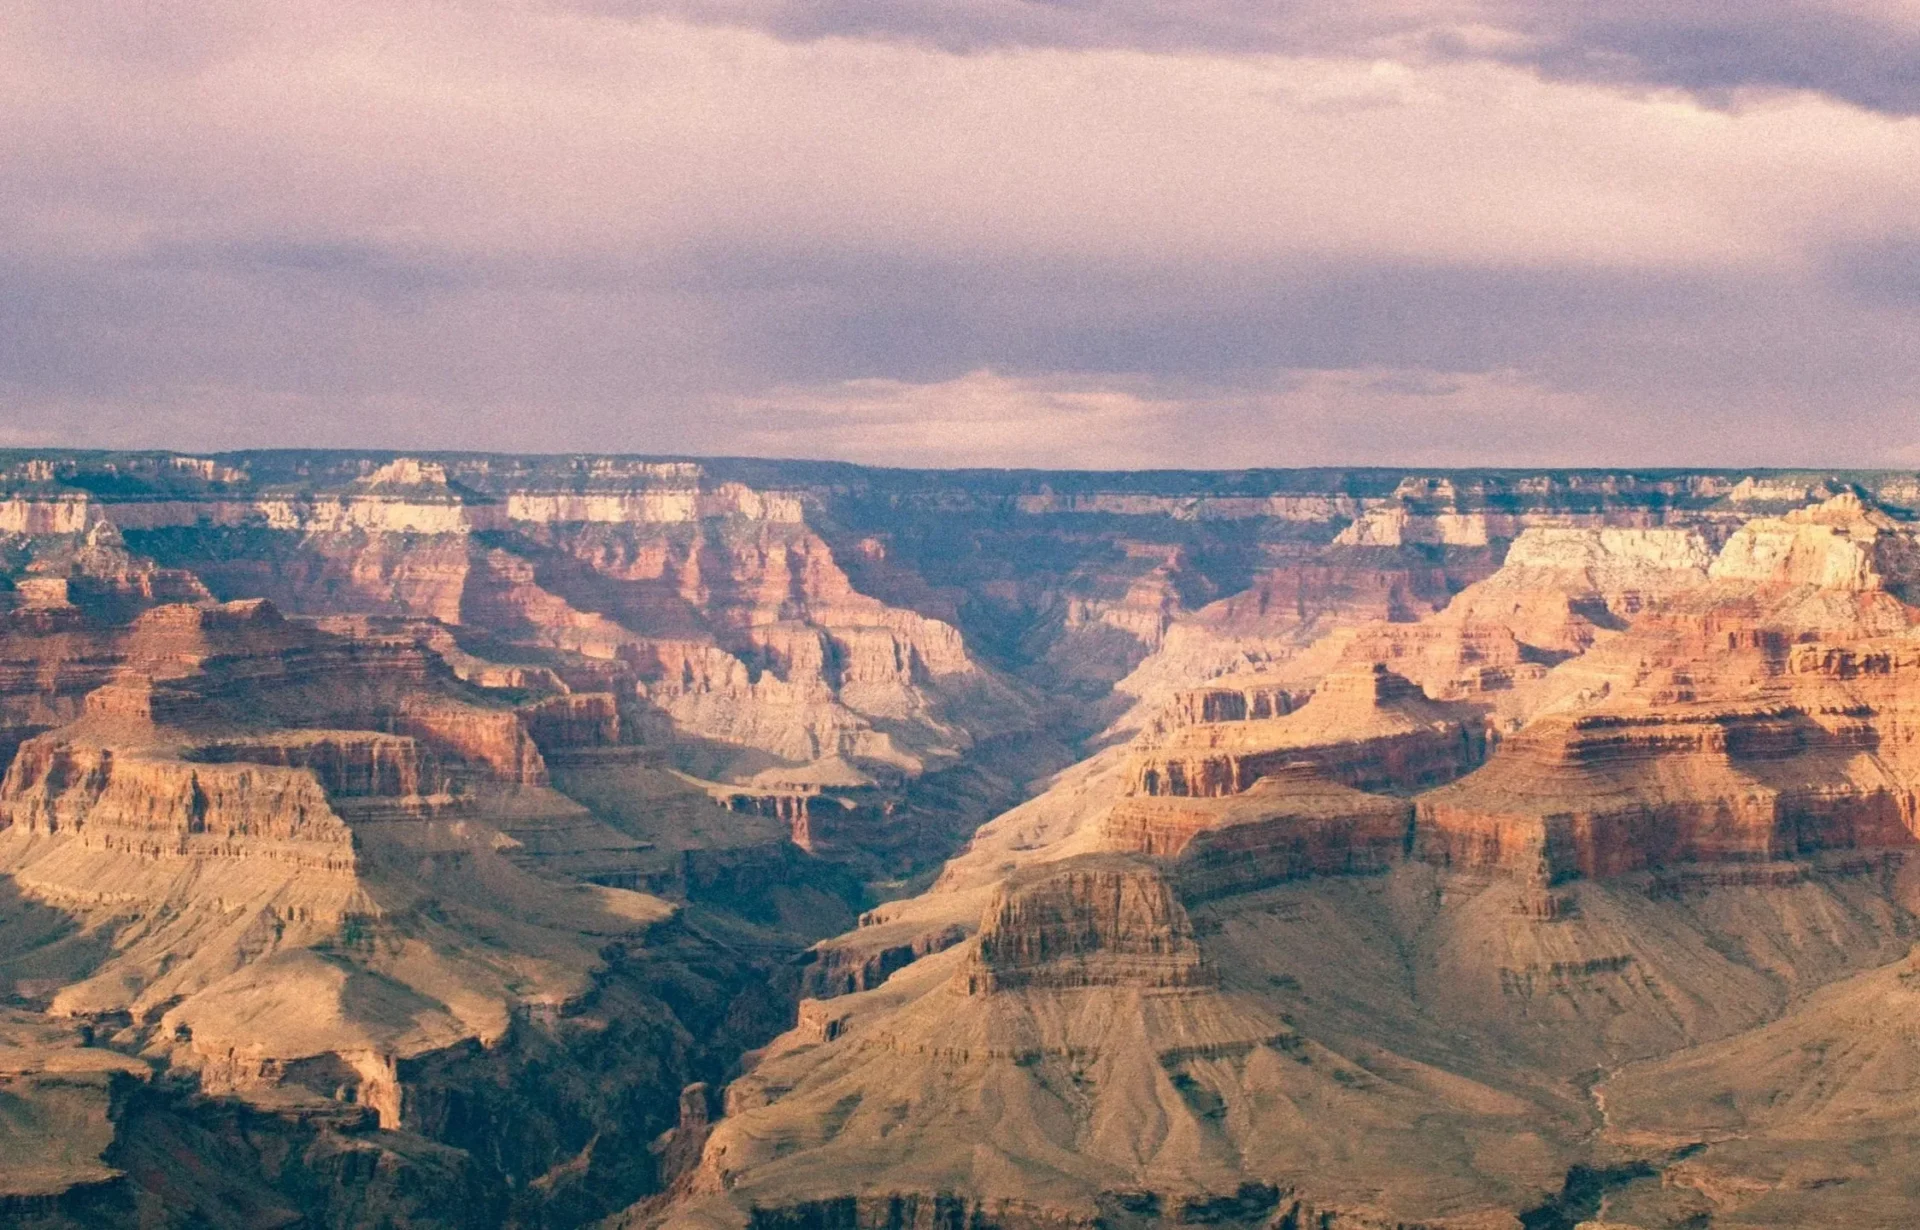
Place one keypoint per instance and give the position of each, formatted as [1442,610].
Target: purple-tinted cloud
[1079,233]
[1865,54]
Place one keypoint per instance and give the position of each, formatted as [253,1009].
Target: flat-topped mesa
[405,496]
[154,806]
[1603,794]
[1241,697]
[242,665]
[1558,586]
[1557,591]
[1366,727]
[346,763]
[1094,921]
[1291,824]
[1451,656]
[1790,491]
[1845,543]
[1613,557]
[1418,521]
[1464,510]
[664,498]
[573,720]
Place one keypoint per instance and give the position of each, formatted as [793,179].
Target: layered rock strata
[1369,728]
[1103,923]
[1290,824]
[1766,716]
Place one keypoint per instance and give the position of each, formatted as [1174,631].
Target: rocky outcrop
[93,572]
[346,763]
[1612,560]
[390,571]
[1284,611]
[156,807]
[1097,923]
[741,631]
[1244,697]
[575,720]
[242,664]
[1369,728]
[49,663]
[38,514]
[1559,589]
[845,969]
[1558,592]
[712,602]
[1766,717]
[1844,543]
[1290,824]
[1607,793]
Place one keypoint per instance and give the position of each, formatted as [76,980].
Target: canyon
[479,840]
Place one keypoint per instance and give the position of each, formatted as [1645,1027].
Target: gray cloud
[965,232]
[1883,272]
[1864,54]
[1852,52]
[316,349]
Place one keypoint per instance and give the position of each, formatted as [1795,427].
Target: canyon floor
[463,840]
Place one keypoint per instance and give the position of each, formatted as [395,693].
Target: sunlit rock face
[1368,727]
[1845,543]
[1292,823]
[1095,925]
[709,607]
[1767,716]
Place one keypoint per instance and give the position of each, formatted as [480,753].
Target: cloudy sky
[1104,233]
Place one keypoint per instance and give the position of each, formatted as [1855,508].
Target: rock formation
[1368,727]
[1097,924]
[1845,543]
[467,840]
[1765,717]
[1291,823]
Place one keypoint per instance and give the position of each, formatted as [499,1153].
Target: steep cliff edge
[1844,543]
[1093,924]
[1291,823]
[214,855]
[307,871]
